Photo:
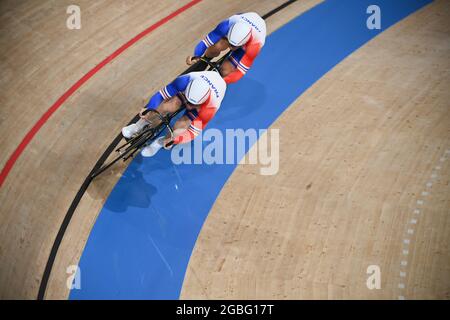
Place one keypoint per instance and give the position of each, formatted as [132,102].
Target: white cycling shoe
[153,148]
[129,131]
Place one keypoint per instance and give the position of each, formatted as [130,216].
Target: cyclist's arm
[179,84]
[205,114]
[251,52]
[213,37]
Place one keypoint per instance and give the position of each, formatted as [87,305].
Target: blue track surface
[143,238]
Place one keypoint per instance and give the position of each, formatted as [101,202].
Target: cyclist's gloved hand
[168,145]
[190,60]
[141,113]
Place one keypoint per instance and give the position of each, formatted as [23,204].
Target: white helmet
[239,34]
[197,91]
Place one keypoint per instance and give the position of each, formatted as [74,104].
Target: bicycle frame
[133,145]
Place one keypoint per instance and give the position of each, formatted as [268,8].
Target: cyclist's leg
[151,118]
[170,106]
[180,126]
[166,107]
[227,68]
[183,123]
[230,65]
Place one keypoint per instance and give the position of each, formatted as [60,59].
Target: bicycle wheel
[134,145]
[106,166]
[131,146]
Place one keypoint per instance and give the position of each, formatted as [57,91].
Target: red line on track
[38,125]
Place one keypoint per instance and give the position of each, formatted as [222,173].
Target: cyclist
[244,34]
[201,92]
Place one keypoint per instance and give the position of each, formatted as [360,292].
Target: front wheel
[106,166]
[127,150]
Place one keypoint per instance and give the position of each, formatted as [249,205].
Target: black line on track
[88,180]
[277,9]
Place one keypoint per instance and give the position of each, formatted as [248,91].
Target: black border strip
[277,9]
[88,180]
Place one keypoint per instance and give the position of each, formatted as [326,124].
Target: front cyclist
[201,92]
[244,34]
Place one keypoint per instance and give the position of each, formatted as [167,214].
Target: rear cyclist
[201,93]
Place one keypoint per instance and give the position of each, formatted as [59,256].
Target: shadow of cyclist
[241,100]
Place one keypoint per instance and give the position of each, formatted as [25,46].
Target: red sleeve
[251,52]
[205,114]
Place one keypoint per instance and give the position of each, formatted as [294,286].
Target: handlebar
[215,66]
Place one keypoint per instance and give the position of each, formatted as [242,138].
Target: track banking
[214,146]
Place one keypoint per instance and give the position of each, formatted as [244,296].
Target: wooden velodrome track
[364,166]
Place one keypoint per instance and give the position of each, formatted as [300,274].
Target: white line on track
[412,223]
